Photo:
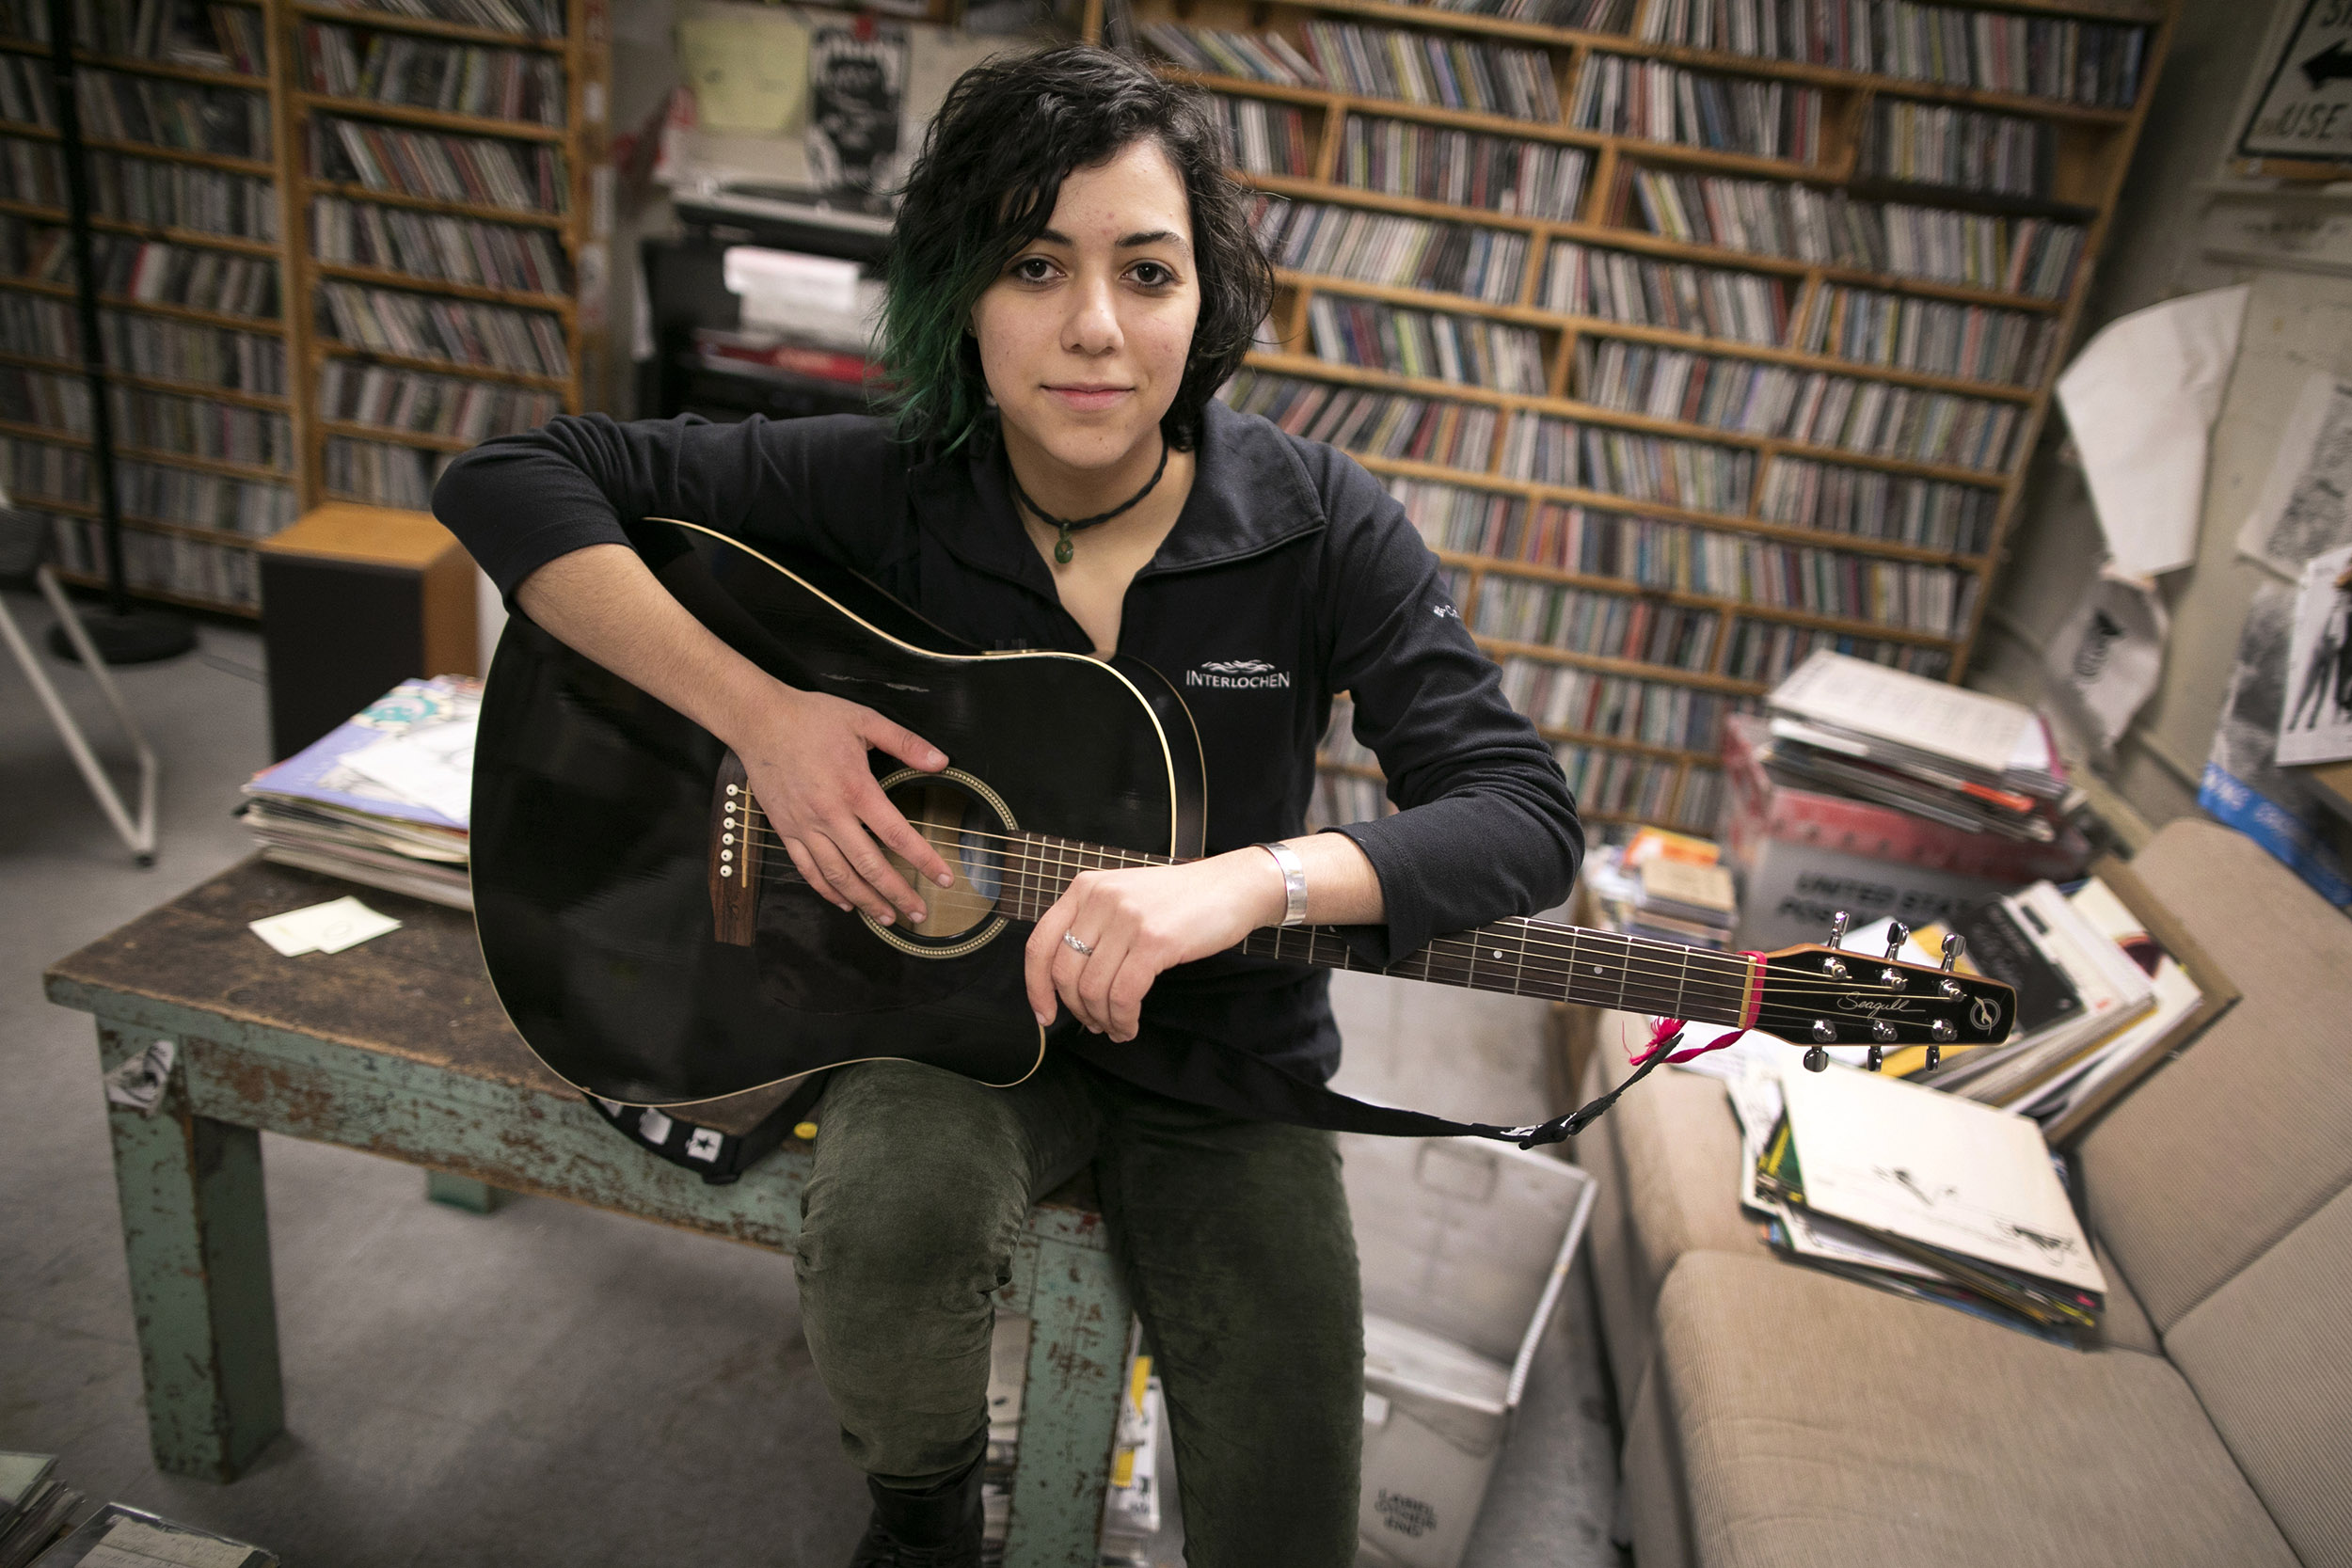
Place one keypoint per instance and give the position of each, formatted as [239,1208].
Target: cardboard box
[1801,856]
[1465,1247]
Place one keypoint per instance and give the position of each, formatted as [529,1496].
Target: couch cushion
[1822,1423]
[2269,1356]
[1667,1158]
[2262,1092]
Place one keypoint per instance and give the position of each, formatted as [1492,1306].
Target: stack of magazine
[2096,995]
[382,800]
[1847,726]
[1926,1195]
[1674,900]
[36,1508]
[120,1537]
[38,1528]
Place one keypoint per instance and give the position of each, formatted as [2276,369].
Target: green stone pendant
[1062,552]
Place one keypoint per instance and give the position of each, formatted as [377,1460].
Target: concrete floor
[549,1387]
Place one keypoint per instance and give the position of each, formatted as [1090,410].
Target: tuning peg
[1815,1060]
[1824,1032]
[1837,924]
[1943,1030]
[1877,1058]
[1935,1054]
[1881,1031]
[1955,949]
[1895,935]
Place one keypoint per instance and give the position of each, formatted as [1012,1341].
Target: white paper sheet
[2302,509]
[2315,723]
[328,928]
[2140,399]
[775,285]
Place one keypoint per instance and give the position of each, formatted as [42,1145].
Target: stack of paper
[1923,1193]
[1955,756]
[382,798]
[35,1507]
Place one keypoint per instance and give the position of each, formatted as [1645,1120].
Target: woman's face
[1083,335]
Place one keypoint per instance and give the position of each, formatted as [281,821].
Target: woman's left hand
[1139,921]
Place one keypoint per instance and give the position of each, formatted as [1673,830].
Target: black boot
[938,1528]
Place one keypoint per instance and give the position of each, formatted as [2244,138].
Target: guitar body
[596,810]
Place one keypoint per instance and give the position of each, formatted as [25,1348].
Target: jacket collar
[1249,494]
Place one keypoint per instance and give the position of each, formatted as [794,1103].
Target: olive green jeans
[1234,1238]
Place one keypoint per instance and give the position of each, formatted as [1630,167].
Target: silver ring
[1069,939]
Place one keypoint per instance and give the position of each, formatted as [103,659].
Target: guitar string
[1728,968]
[1644,965]
[1777,1018]
[1772,1017]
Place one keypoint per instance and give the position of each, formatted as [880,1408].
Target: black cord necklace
[1063,550]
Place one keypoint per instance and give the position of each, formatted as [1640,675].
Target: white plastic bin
[1465,1245]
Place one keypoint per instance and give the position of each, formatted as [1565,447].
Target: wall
[2295,322]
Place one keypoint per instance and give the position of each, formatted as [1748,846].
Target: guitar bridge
[735,854]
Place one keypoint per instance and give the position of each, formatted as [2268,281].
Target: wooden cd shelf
[1850,478]
[563,173]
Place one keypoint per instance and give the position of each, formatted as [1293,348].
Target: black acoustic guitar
[653,945]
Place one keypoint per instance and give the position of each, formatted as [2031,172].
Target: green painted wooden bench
[399,1047]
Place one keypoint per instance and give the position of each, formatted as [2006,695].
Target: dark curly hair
[985,186]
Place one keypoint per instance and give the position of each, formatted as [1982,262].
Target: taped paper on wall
[2315,724]
[749,71]
[2243,786]
[2302,510]
[2107,655]
[2140,399]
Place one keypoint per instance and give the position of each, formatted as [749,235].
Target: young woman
[1073,277]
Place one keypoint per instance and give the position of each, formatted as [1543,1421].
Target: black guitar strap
[1242,1082]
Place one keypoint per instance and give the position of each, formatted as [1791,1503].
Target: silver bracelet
[1293,882]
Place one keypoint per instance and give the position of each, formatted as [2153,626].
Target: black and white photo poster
[857,82]
[2315,719]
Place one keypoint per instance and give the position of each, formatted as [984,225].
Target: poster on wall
[857,84]
[2315,719]
[2305,507]
[2243,786]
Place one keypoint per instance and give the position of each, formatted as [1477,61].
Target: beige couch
[1775,1415]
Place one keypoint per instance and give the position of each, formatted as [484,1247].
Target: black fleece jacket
[1289,577]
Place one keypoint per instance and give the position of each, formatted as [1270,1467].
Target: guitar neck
[1519,956]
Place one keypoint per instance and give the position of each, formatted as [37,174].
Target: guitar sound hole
[971,837]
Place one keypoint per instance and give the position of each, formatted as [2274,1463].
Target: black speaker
[356,599]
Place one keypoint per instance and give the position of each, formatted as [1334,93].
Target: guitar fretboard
[1519,956]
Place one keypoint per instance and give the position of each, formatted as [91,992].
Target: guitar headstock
[1819,996]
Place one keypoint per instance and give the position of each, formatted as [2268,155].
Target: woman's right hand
[806,753]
